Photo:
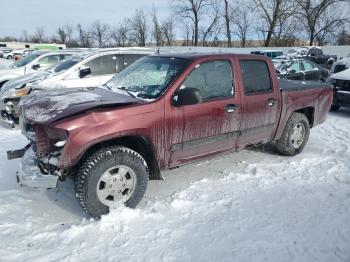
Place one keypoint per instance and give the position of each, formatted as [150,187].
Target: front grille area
[343,85]
[42,141]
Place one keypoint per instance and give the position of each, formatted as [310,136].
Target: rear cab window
[256,77]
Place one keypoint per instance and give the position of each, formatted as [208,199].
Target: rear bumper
[29,173]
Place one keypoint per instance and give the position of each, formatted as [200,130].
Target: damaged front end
[39,164]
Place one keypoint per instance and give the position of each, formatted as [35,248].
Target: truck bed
[294,85]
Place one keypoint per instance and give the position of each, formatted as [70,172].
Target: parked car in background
[94,68]
[341,65]
[314,54]
[35,61]
[301,69]
[14,54]
[161,112]
[4,52]
[341,89]
[88,69]
[269,53]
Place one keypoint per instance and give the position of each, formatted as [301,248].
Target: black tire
[334,108]
[93,167]
[285,143]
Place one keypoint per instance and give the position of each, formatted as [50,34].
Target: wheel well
[137,143]
[309,113]
[2,83]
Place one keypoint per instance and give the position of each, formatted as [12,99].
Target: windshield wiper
[109,87]
[126,90]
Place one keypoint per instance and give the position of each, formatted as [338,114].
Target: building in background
[41,46]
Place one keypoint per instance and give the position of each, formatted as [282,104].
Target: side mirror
[292,71]
[84,71]
[36,66]
[187,96]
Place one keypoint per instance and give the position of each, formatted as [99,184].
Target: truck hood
[22,81]
[46,107]
[343,75]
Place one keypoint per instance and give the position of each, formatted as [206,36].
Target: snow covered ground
[4,63]
[249,206]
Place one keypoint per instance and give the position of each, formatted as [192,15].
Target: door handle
[230,108]
[271,102]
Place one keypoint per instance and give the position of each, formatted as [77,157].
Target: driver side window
[214,80]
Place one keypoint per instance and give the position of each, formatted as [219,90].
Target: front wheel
[111,177]
[295,135]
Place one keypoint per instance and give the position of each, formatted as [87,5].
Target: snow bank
[249,206]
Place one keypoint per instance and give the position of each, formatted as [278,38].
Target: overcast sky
[19,15]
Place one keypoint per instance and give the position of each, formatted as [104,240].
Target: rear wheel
[295,135]
[109,178]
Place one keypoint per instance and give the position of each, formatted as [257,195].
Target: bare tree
[321,17]
[192,10]
[227,23]
[343,37]
[25,36]
[271,11]
[120,34]
[210,34]
[99,33]
[168,31]
[84,36]
[187,32]
[156,28]
[241,21]
[138,25]
[39,34]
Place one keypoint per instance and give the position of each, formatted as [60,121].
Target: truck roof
[196,55]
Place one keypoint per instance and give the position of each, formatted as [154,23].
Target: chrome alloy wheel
[116,185]
[298,135]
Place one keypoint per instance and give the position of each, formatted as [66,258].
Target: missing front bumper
[29,174]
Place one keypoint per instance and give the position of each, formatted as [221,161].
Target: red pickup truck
[161,112]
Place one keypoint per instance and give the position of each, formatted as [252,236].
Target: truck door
[211,126]
[260,104]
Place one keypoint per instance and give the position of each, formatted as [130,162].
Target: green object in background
[46,47]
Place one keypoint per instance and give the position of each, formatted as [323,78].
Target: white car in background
[35,61]
[89,69]
[94,68]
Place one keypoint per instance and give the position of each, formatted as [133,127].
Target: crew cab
[161,112]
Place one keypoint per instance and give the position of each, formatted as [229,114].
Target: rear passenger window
[214,80]
[256,77]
